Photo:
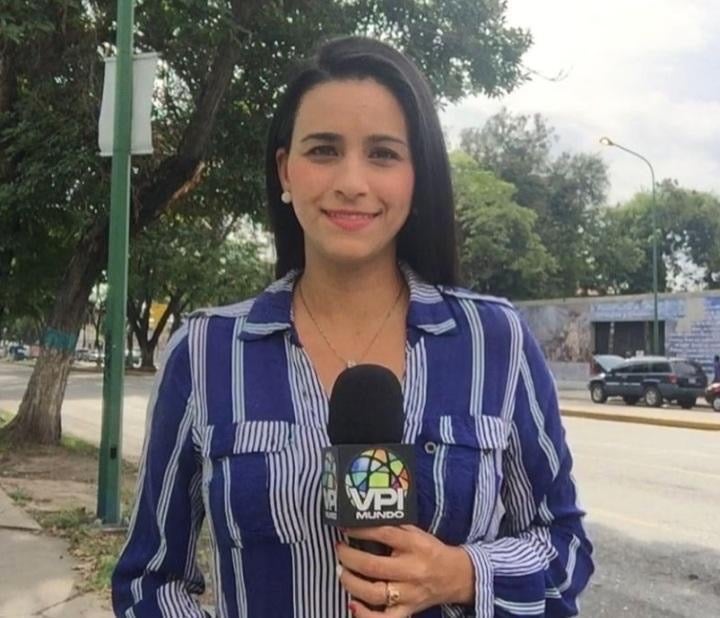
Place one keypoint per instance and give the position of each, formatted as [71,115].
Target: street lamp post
[606,141]
[110,469]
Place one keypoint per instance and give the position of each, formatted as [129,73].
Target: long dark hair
[427,240]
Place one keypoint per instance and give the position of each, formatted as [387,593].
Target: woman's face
[349,171]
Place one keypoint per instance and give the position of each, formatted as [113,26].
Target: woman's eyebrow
[324,137]
[386,138]
[327,136]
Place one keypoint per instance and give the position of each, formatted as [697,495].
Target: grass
[78,446]
[96,549]
[20,496]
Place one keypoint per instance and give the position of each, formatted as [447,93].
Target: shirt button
[430,448]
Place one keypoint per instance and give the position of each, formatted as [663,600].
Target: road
[82,406]
[652,495]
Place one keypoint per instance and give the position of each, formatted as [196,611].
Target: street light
[606,141]
[109,465]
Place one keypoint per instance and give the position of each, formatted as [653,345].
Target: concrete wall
[564,327]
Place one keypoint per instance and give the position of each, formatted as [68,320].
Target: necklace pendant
[351,363]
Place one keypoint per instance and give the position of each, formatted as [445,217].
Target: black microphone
[368,475]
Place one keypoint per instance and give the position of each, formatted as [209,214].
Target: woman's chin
[352,256]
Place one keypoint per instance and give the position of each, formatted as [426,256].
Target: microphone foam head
[366,407]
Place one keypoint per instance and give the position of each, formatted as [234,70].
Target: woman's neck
[351,295]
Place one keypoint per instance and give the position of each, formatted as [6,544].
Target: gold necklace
[346,362]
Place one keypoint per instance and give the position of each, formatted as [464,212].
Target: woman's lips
[350,220]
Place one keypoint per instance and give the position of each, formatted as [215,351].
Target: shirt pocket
[460,470]
[250,483]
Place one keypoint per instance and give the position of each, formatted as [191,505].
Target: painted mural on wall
[697,334]
[564,331]
[692,325]
[638,310]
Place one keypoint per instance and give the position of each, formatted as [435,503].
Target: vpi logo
[330,486]
[377,483]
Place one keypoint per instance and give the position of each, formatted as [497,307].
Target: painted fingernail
[353,608]
[339,570]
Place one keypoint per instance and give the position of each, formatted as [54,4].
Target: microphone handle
[372,547]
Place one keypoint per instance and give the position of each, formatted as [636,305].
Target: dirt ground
[58,487]
[55,478]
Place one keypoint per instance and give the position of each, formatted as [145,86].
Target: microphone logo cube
[329,485]
[377,483]
[368,485]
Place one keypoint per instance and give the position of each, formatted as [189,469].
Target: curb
[702,425]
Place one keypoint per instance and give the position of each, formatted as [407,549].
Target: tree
[186,263]
[692,223]
[688,226]
[223,65]
[561,190]
[500,250]
[615,255]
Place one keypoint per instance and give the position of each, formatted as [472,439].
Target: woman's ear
[281,159]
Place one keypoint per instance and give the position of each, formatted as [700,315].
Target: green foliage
[688,228]
[53,186]
[199,261]
[500,250]
[20,496]
[617,263]
[51,182]
[562,191]
[190,261]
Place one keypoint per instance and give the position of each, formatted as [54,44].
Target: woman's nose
[350,180]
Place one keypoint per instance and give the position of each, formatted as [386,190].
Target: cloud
[642,72]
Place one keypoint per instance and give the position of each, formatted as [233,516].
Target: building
[571,330]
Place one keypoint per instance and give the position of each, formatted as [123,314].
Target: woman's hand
[423,570]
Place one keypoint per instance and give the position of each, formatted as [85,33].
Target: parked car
[652,378]
[18,351]
[712,396]
[82,354]
[602,363]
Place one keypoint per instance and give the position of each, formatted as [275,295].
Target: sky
[646,73]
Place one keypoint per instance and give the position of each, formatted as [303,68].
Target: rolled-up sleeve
[541,560]
[156,574]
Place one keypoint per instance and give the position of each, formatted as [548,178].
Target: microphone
[368,475]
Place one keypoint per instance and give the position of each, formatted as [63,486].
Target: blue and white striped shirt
[236,424]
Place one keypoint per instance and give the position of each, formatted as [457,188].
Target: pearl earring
[286,198]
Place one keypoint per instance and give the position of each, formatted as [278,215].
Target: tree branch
[182,172]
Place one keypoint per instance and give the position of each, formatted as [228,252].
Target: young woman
[361,206]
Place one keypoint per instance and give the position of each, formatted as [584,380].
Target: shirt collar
[271,312]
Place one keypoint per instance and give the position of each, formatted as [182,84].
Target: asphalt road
[652,495]
[653,500]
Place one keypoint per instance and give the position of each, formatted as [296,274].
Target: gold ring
[392,595]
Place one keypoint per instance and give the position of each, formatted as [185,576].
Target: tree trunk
[129,344]
[38,418]
[147,356]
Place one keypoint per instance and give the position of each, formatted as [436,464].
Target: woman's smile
[351,220]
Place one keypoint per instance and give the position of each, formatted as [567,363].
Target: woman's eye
[384,153]
[323,151]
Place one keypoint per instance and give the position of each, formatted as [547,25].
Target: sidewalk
[669,417]
[36,572]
